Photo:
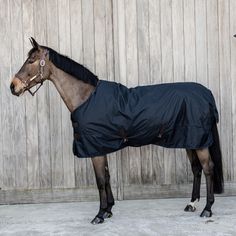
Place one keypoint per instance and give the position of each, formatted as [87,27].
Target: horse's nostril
[12,86]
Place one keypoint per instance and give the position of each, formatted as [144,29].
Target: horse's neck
[73,91]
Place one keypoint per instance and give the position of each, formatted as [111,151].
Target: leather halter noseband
[39,74]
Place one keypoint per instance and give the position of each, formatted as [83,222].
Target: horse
[107,116]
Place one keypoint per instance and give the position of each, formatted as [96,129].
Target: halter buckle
[42,63]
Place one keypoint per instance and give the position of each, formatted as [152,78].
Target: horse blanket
[174,115]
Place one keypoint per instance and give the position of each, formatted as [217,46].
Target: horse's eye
[30,61]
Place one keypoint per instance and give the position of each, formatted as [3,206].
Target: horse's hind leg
[197,173]
[106,198]
[208,169]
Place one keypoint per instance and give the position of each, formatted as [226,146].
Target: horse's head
[34,71]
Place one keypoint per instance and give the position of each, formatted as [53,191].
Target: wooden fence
[134,42]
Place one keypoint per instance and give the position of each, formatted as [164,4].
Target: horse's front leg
[197,173]
[208,169]
[110,198]
[106,198]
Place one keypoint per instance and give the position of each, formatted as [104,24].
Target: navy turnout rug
[174,115]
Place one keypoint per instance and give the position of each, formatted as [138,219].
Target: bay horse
[107,116]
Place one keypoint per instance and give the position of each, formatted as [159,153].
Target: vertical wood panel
[19,135]
[189,39]
[65,48]
[54,101]
[233,81]
[30,103]
[6,113]
[43,105]
[201,41]
[225,87]
[100,38]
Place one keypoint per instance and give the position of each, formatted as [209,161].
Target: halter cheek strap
[39,74]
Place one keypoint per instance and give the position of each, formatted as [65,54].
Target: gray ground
[138,217]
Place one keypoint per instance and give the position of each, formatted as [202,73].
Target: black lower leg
[208,169]
[197,173]
[99,168]
[110,198]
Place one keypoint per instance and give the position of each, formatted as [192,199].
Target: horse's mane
[71,67]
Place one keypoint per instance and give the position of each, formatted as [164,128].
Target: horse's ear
[34,43]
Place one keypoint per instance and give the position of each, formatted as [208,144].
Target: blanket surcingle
[174,115]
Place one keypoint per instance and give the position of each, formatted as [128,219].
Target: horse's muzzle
[12,88]
[16,87]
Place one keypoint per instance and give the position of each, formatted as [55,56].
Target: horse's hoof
[97,220]
[206,213]
[190,208]
[107,215]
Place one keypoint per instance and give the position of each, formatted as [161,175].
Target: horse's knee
[208,167]
[205,160]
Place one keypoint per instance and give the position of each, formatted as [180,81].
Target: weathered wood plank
[201,41]
[167,191]
[233,81]
[225,88]
[19,135]
[189,40]
[90,194]
[7,100]
[54,102]
[49,195]
[31,113]
[67,135]
[42,103]
[100,39]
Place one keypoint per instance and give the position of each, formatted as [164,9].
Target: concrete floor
[138,217]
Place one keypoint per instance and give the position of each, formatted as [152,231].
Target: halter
[39,74]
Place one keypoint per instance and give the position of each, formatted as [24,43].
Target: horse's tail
[216,156]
